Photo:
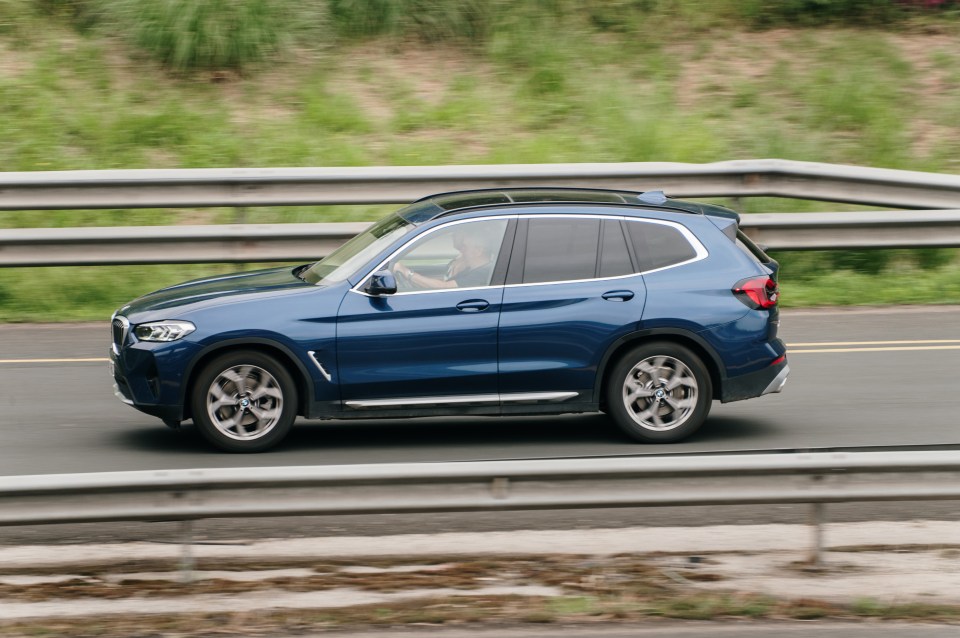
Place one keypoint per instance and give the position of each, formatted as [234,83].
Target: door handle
[473,305]
[618,295]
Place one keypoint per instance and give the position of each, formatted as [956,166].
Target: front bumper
[754,384]
[127,388]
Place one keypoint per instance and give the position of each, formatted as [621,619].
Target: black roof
[441,204]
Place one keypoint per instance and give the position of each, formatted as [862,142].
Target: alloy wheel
[244,402]
[660,393]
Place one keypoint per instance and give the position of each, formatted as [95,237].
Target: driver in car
[470,268]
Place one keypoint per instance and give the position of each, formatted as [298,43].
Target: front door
[434,342]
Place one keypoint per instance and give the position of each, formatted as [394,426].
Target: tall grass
[191,34]
[429,20]
[188,34]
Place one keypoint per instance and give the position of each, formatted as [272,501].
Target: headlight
[163,330]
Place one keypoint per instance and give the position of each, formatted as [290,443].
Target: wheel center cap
[660,393]
[244,403]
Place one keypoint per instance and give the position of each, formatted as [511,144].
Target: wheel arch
[301,377]
[691,340]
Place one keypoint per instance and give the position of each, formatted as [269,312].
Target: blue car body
[503,348]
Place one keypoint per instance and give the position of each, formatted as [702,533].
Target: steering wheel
[406,279]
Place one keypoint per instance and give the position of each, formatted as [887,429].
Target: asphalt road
[62,416]
[870,378]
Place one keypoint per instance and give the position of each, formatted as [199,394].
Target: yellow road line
[790,353]
[92,360]
[869,343]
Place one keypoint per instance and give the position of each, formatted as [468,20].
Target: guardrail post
[186,552]
[816,526]
[239,217]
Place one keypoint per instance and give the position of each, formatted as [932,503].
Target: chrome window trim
[420,292]
[516,397]
[700,250]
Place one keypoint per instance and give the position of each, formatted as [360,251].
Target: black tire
[218,399]
[648,409]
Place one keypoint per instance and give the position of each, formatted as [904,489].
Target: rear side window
[659,245]
[561,249]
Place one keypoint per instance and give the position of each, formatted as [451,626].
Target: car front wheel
[244,401]
[659,392]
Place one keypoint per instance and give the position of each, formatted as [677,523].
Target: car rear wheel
[659,392]
[244,401]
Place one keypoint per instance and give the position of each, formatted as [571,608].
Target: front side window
[461,255]
[353,255]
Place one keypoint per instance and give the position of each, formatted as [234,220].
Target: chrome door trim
[536,397]
[518,397]
[412,401]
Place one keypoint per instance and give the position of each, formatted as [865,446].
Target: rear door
[572,290]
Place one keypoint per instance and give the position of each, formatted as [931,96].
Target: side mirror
[382,282]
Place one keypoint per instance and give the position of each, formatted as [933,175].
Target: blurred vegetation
[95,84]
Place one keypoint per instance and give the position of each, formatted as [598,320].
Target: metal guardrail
[304,242]
[858,230]
[234,243]
[187,495]
[315,186]
[241,188]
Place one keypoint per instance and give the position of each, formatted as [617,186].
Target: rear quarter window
[659,245]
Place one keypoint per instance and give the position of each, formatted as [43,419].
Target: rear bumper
[747,386]
[778,381]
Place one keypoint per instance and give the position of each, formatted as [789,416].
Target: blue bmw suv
[489,302]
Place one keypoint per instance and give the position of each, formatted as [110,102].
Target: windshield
[346,260]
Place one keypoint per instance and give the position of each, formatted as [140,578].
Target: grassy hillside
[356,82]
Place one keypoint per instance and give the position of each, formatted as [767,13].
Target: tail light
[759,293]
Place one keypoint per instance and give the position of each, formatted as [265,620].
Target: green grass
[85,293]
[546,81]
[845,288]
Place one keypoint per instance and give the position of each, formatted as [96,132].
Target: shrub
[934,258]
[768,13]
[429,20]
[191,34]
